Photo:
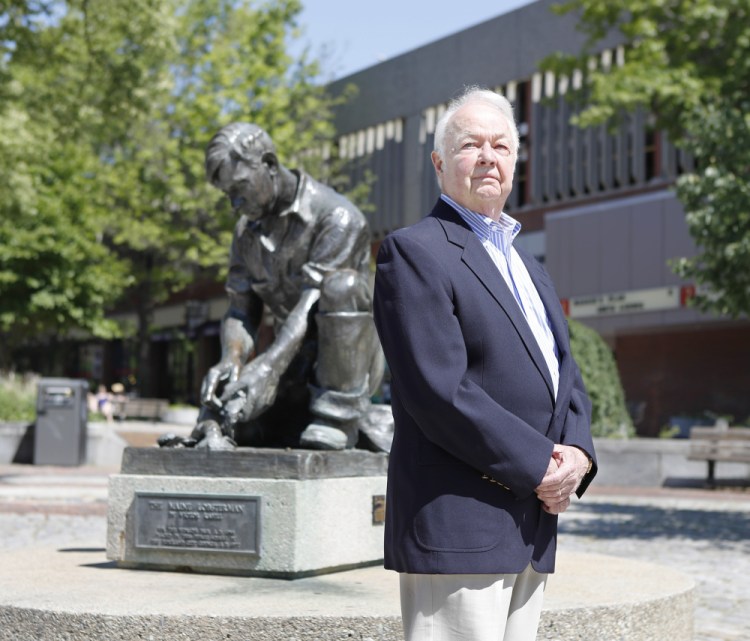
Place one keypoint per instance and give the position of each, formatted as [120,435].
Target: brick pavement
[705,534]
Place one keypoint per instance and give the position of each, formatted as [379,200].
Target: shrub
[609,415]
[18,396]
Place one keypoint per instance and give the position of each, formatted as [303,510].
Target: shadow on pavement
[614,521]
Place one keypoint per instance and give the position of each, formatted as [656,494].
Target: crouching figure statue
[299,261]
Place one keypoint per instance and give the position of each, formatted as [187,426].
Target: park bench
[714,444]
[144,408]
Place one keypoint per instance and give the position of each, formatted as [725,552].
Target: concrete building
[596,207]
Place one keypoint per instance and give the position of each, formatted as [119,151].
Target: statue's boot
[319,436]
[348,354]
[336,415]
[349,363]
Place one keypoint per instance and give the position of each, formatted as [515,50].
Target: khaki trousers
[472,607]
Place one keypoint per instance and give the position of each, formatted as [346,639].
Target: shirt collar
[502,232]
[300,207]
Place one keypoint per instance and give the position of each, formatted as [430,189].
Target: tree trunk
[143,366]
[144,310]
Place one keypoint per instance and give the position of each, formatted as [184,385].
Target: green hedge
[610,416]
[17,397]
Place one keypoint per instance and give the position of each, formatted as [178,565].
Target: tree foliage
[55,272]
[108,107]
[717,202]
[687,62]
[609,414]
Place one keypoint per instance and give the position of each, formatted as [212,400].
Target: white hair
[469,95]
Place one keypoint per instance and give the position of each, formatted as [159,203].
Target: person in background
[104,403]
[118,400]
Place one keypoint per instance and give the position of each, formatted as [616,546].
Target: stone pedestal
[252,512]
[50,595]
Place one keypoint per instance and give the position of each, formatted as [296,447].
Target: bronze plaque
[198,522]
[378,509]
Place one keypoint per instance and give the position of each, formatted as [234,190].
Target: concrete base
[309,512]
[73,594]
[307,526]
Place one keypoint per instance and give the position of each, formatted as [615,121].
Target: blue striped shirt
[497,238]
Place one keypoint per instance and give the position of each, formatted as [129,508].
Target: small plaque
[378,509]
[198,522]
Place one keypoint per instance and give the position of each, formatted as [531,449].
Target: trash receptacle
[61,415]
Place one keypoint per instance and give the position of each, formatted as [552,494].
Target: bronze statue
[300,251]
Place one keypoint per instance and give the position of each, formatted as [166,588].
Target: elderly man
[492,421]
[302,252]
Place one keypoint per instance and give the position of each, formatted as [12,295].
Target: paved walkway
[705,534]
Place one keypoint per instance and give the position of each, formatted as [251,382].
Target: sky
[350,35]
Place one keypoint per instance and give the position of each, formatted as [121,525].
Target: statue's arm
[342,241]
[258,383]
[239,328]
[292,331]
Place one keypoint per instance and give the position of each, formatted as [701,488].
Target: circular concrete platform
[77,595]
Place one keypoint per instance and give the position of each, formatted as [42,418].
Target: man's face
[479,159]
[249,183]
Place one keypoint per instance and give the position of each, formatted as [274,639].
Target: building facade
[596,205]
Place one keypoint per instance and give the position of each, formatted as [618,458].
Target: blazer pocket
[460,512]
[452,523]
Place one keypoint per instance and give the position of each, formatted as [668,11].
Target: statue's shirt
[277,257]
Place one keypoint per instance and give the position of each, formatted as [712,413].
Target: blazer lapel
[476,258]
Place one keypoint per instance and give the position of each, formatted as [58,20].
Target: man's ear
[270,160]
[437,162]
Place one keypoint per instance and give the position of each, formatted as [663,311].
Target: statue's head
[241,161]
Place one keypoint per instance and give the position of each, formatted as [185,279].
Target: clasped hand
[565,471]
[253,392]
[240,395]
[224,373]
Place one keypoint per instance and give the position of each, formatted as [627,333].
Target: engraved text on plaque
[204,522]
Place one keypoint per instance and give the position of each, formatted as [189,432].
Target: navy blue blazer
[474,407]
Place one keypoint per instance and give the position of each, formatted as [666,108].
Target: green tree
[56,99]
[687,62]
[609,414]
[55,273]
[717,202]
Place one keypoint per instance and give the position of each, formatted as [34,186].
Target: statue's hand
[253,392]
[220,375]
